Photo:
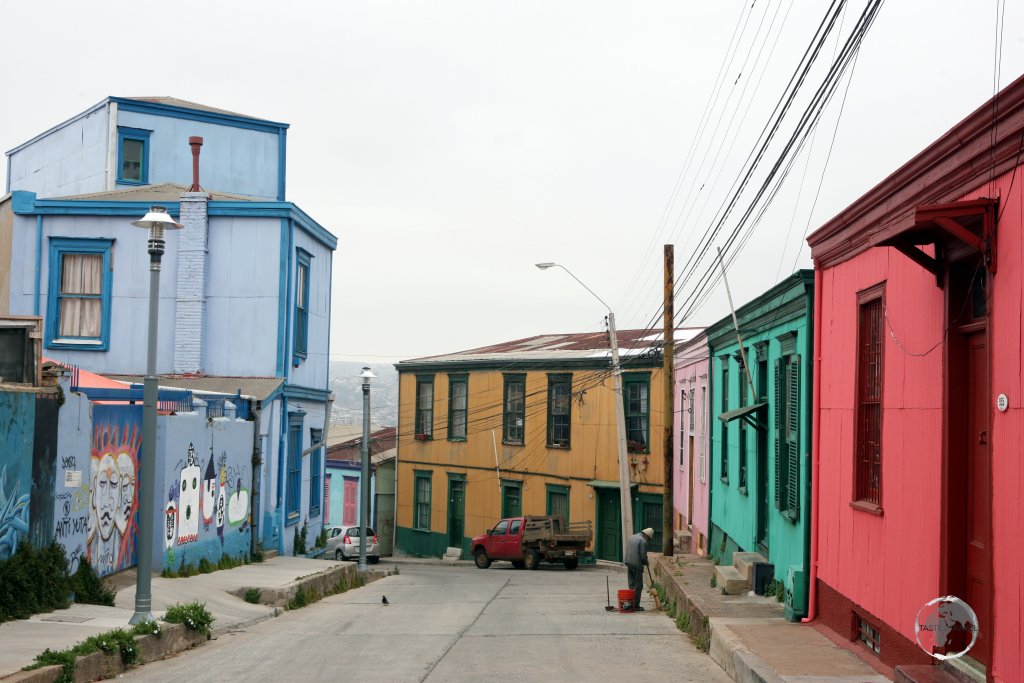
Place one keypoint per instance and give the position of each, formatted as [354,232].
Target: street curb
[742,665]
[317,583]
[173,638]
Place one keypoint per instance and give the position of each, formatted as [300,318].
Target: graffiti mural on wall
[113,502]
[13,514]
[205,503]
[17,427]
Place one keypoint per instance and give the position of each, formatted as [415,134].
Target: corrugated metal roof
[185,104]
[381,441]
[553,347]
[164,192]
[257,387]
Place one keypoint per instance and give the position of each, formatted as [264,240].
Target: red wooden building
[919,397]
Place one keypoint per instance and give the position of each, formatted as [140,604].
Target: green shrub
[33,580]
[205,567]
[90,588]
[253,595]
[299,540]
[194,615]
[258,554]
[714,581]
[321,538]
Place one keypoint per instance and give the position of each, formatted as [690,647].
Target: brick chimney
[190,299]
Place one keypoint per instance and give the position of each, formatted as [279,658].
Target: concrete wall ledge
[174,638]
[316,584]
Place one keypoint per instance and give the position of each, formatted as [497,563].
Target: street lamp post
[156,221]
[625,501]
[364,479]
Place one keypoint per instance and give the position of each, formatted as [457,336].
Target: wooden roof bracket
[935,266]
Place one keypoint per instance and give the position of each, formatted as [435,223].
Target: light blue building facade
[245,288]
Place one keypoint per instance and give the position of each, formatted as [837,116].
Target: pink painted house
[690,493]
[919,399]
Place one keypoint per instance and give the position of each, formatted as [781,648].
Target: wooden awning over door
[953,230]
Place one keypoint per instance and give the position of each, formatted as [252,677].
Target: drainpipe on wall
[812,594]
[257,463]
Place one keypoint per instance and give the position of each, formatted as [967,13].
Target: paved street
[454,624]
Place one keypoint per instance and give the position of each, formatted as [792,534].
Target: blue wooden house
[245,287]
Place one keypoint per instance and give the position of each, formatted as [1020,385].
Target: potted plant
[635,446]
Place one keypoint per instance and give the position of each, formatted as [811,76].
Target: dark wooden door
[609,522]
[456,512]
[978,490]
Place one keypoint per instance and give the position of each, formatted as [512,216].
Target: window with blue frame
[315,472]
[132,156]
[302,305]
[78,300]
[294,485]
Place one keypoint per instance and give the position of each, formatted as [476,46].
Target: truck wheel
[481,559]
[518,564]
[572,563]
[531,559]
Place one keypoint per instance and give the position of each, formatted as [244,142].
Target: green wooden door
[456,512]
[609,525]
[511,499]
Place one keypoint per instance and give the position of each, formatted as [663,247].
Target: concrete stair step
[923,673]
[744,563]
[267,554]
[729,580]
[682,541]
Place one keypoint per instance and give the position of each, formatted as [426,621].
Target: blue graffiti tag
[13,516]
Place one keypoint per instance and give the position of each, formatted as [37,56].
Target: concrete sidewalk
[23,640]
[747,635]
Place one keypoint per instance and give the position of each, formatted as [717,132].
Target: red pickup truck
[526,541]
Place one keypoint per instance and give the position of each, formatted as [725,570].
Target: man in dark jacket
[636,560]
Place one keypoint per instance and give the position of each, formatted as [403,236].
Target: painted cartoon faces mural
[204,504]
[113,500]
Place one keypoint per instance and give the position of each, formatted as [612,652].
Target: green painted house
[761,440]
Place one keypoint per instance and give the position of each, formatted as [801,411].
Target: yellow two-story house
[527,428]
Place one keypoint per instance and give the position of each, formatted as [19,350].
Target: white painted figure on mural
[188,500]
[126,501]
[209,492]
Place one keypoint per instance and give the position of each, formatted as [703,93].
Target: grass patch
[253,595]
[120,641]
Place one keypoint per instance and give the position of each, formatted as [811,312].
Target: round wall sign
[1002,403]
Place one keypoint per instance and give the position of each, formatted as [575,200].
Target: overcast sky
[452,145]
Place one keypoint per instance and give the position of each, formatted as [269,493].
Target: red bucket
[627,600]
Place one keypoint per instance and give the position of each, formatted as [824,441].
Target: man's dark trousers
[635,576]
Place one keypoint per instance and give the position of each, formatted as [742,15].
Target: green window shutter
[793,437]
[777,432]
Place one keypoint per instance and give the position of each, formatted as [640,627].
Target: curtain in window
[81,309]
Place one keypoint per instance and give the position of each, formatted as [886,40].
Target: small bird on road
[384,600]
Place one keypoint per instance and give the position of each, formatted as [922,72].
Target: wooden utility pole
[668,372]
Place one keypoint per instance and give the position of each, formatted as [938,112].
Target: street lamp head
[367,375]
[156,221]
[545,266]
[157,218]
